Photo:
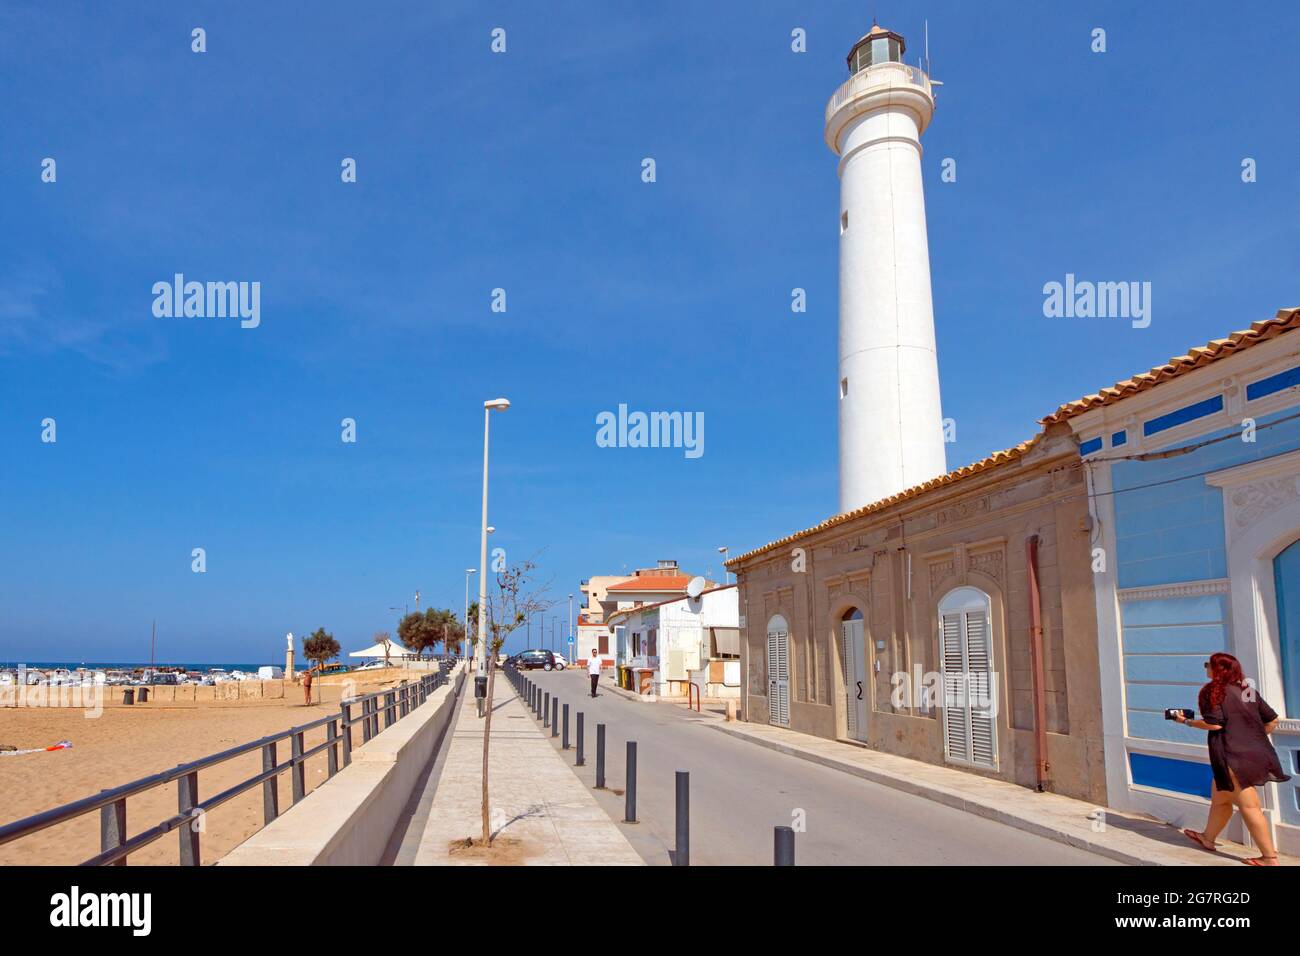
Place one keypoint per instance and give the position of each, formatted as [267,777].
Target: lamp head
[497,404]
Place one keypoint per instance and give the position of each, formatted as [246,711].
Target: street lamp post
[495,405]
[726,575]
[464,652]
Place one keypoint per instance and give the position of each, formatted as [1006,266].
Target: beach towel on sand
[61,745]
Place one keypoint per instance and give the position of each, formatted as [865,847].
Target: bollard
[555,716]
[629,795]
[783,846]
[600,756]
[683,855]
[546,709]
[580,761]
[564,741]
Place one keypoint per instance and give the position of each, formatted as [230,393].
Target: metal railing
[880,75]
[115,846]
[691,686]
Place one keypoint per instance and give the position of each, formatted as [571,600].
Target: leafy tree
[425,631]
[320,647]
[514,600]
[412,633]
[449,627]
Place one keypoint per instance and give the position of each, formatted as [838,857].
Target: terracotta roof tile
[653,582]
[966,471]
[1285,321]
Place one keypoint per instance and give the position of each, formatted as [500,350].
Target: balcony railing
[882,74]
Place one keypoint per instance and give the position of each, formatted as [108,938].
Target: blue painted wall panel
[1198,609]
[1179,416]
[1169,773]
[1289,791]
[1156,697]
[1168,569]
[1151,725]
[1182,638]
[1165,668]
[1274,383]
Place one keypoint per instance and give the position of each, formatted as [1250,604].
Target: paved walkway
[542,814]
[1127,837]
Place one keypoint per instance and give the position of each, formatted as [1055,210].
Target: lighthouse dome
[878,46]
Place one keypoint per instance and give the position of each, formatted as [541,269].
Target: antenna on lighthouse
[929,70]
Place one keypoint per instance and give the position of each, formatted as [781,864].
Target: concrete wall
[348,820]
[230,691]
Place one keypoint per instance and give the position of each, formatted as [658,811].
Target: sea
[123,666]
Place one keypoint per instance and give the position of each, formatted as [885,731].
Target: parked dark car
[532,660]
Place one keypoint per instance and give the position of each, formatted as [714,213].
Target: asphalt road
[739,791]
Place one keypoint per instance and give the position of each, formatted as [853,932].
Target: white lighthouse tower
[891,431]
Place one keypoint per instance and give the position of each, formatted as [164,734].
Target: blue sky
[522,171]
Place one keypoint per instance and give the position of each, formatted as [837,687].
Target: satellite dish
[696,587]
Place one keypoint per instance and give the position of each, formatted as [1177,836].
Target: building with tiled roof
[853,627]
[603,595]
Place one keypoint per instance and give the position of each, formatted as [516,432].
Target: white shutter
[969,707]
[956,724]
[783,644]
[979,658]
[778,676]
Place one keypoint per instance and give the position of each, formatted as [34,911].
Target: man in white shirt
[593,669]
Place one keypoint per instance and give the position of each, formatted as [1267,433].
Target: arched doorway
[969,690]
[778,671]
[1286,584]
[853,665]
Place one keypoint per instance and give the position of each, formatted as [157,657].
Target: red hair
[1224,670]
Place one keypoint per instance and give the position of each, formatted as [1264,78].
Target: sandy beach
[126,743]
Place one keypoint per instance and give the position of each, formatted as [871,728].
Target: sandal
[1261,861]
[1197,838]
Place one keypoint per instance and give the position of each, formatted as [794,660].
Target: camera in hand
[1173,713]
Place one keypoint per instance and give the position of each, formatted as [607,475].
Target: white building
[683,640]
[608,594]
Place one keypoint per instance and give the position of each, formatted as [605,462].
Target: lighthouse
[891,429]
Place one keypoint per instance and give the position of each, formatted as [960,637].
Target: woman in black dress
[1239,722]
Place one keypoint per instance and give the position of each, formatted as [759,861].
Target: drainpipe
[1041,765]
